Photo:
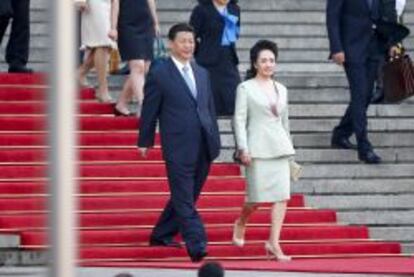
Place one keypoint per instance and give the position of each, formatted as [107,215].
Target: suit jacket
[6,9]
[209,26]
[350,28]
[185,122]
[258,131]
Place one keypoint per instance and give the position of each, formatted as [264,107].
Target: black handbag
[398,74]
[6,9]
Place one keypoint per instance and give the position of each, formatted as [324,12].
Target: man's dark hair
[180,27]
[211,269]
[124,275]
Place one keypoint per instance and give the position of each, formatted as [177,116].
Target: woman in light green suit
[262,134]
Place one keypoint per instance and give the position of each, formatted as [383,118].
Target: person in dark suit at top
[17,51]
[217,28]
[178,95]
[392,32]
[354,43]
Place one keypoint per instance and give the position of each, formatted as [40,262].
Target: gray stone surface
[383,218]
[9,241]
[362,202]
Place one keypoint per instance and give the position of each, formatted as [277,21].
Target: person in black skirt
[135,24]
[217,28]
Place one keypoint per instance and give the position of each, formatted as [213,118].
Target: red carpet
[121,196]
[394,266]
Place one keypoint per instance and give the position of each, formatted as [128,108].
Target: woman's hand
[113,34]
[394,51]
[245,158]
[157,29]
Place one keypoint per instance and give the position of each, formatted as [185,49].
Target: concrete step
[262,5]
[168,16]
[393,155]
[327,125]
[337,110]
[355,171]
[37,55]
[9,241]
[374,218]
[332,156]
[403,233]
[303,80]
[347,186]
[394,139]
[9,245]
[363,202]
[39,4]
[407,247]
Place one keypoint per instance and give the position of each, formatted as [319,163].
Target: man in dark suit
[17,51]
[178,95]
[354,44]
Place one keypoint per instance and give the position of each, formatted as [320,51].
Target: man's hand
[143,151]
[339,58]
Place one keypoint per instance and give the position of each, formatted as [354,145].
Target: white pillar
[62,139]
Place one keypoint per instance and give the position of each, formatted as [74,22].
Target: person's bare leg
[101,58]
[85,67]
[134,85]
[277,218]
[240,224]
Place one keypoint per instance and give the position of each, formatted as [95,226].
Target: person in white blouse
[263,141]
[97,40]
[400,6]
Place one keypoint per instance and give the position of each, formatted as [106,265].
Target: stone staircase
[382,196]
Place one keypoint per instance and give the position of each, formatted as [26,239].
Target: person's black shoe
[20,69]
[342,143]
[377,99]
[369,157]
[165,243]
[198,257]
[122,71]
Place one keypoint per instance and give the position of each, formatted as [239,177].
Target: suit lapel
[178,78]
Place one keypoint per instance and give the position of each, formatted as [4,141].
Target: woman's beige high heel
[277,253]
[238,241]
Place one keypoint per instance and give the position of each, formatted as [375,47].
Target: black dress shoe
[369,157]
[377,99]
[198,257]
[342,143]
[165,243]
[20,69]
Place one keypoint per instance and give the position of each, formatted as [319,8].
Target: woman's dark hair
[255,52]
[180,27]
[209,1]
